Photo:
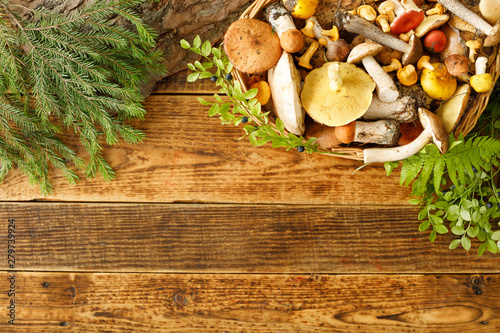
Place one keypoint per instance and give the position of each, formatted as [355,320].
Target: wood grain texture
[103,302]
[177,84]
[189,157]
[230,238]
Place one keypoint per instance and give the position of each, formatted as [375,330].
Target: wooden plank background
[202,233]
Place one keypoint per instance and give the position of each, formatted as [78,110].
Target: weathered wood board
[189,157]
[230,238]
[104,302]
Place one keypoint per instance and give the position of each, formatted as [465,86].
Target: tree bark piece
[173,20]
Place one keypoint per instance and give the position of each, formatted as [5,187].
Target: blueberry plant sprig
[458,191]
[242,107]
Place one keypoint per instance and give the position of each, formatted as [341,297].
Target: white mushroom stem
[433,130]
[457,8]
[481,64]
[281,23]
[372,155]
[402,110]
[334,77]
[386,89]
[381,132]
[284,81]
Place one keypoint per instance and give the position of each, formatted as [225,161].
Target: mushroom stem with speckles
[402,110]
[460,10]
[358,25]
[433,130]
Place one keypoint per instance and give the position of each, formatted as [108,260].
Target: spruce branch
[76,72]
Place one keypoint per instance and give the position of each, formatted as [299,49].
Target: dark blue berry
[452,187]
[300,149]
[489,205]
[474,169]
[213,78]
[445,191]
[228,77]
[244,120]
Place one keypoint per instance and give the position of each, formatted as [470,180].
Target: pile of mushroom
[372,75]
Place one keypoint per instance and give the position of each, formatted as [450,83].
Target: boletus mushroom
[291,39]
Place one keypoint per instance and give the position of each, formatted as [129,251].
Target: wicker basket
[466,124]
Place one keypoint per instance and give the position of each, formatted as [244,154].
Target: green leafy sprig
[241,106]
[74,72]
[457,191]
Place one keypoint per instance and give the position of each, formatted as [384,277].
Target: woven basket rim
[466,124]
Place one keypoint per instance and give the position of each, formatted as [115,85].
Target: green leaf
[205,75]
[185,44]
[458,230]
[196,42]
[424,225]
[465,214]
[432,236]
[435,219]
[390,166]
[203,102]
[251,93]
[193,77]
[214,110]
[206,48]
[496,235]
[481,249]
[440,228]
[491,246]
[280,125]
[466,244]
[414,201]
[422,214]
[216,52]
[454,244]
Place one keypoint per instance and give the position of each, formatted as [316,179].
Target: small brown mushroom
[457,64]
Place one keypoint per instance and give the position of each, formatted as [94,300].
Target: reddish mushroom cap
[407,21]
[435,41]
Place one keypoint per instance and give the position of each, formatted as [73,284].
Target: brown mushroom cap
[432,122]
[252,46]
[368,48]
[457,64]
[415,52]
[292,40]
